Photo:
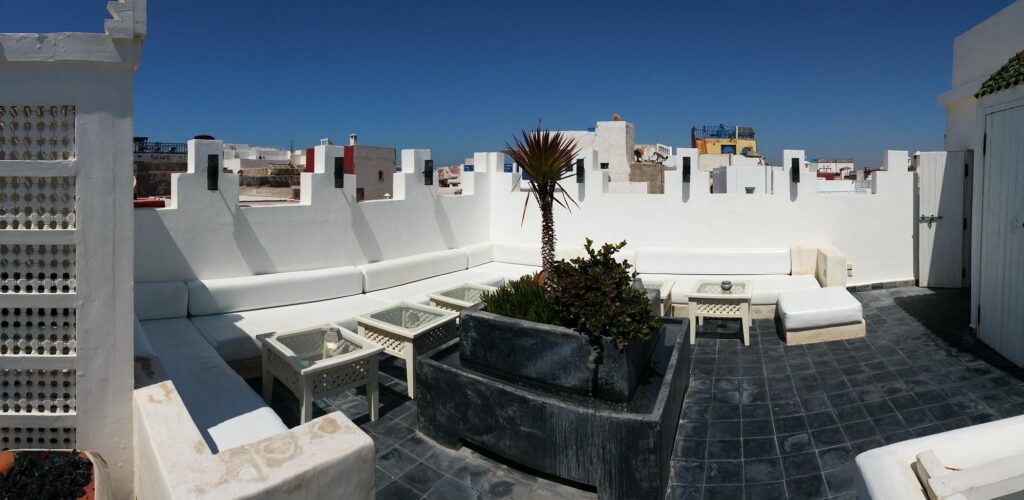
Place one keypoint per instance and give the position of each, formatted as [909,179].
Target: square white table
[459,297]
[709,300]
[408,331]
[310,365]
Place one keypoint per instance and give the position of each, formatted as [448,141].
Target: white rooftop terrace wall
[875,231]
[977,54]
[206,234]
[78,89]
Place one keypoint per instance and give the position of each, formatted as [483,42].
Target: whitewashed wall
[874,231]
[91,74]
[206,234]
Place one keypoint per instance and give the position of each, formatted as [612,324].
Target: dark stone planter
[552,356]
[622,448]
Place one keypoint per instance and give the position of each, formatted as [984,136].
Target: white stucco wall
[976,55]
[205,234]
[877,237]
[94,73]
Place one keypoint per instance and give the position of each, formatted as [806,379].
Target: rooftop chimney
[352,139]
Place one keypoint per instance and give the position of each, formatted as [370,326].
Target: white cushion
[161,300]
[713,261]
[885,473]
[505,270]
[764,288]
[394,272]
[416,292]
[227,412]
[480,253]
[516,253]
[218,296]
[801,309]
[235,335]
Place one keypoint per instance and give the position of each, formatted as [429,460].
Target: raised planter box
[621,447]
[552,356]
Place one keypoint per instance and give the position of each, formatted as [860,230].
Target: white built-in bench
[770,271]
[200,430]
[231,313]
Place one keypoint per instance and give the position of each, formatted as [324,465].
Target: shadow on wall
[172,258]
[251,248]
[367,240]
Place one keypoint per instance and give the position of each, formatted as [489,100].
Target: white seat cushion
[227,412]
[224,295]
[416,292]
[161,300]
[395,272]
[505,270]
[765,288]
[714,261]
[234,335]
[802,309]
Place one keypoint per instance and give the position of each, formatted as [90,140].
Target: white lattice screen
[38,279]
[37,132]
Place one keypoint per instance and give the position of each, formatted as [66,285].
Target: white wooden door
[1001,324]
[941,222]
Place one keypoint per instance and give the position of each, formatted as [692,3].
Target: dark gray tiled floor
[764,421]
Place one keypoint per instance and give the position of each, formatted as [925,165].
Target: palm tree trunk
[547,237]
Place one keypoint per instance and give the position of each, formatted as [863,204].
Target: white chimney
[352,139]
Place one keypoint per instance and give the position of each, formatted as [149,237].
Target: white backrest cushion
[161,300]
[713,260]
[395,272]
[516,253]
[224,295]
[479,254]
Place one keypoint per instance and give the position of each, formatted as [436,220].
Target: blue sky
[834,78]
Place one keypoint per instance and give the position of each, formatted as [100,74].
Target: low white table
[408,331]
[310,363]
[664,287]
[709,300]
[459,297]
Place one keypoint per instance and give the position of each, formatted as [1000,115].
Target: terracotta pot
[97,489]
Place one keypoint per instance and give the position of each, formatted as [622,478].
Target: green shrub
[521,299]
[595,296]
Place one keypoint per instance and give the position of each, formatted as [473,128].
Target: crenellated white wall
[874,231]
[206,234]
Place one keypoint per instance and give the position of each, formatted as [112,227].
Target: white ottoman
[820,315]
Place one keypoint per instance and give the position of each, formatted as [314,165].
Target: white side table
[310,364]
[459,297]
[408,331]
[709,300]
[664,287]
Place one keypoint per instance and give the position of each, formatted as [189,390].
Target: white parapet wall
[66,237]
[206,234]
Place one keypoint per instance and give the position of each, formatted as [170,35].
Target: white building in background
[742,179]
[614,142]
[238,157]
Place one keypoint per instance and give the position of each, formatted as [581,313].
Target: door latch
[930,219]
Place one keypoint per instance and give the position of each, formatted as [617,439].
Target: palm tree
[546,158]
